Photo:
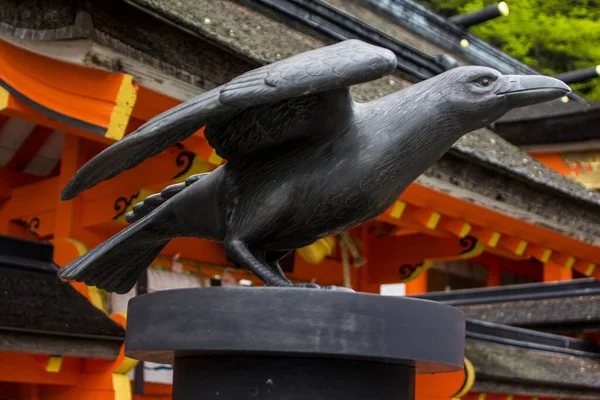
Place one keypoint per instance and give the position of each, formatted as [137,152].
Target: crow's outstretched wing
[328,68]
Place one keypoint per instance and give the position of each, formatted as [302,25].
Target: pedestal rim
[302,323]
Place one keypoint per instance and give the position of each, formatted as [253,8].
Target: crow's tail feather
[118,263]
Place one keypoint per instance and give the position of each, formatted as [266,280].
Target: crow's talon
[308,285]
[340,288]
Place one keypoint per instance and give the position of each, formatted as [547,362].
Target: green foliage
[552,36]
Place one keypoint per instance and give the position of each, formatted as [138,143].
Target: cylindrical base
[289,378]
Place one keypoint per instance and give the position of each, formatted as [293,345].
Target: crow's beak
[524,90]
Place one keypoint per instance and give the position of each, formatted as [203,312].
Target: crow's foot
[312,285]
[308,285]
[339,288]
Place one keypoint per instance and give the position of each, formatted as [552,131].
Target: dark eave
[566,307]
[412,63]
[511,293]
[552,126]
[41,314]
[529,363]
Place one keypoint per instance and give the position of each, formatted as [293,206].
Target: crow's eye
[485,81]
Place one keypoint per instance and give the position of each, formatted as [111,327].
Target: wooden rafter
[39,88]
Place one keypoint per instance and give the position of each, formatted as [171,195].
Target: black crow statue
[304,160]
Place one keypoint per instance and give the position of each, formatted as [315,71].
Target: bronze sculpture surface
[305,160]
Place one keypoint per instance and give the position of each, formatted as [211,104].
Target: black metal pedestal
[293,344]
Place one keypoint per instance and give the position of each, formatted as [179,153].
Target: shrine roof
[528,363]
[562,307]
[552,126]
[39,312]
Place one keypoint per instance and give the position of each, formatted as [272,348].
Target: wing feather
[328,68]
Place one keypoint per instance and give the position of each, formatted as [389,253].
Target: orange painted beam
[488,236]
[455,226]
[526,268]
[540,253]
[33,198]
[10,179]
[12,107]
[494,221]
[587,268]
[68,212]
[89,99]
[39,225]
[414,219]
[393,257]
[513,245]
[150,103]
[554,272]
[25,368]
[418,285]
[493,276]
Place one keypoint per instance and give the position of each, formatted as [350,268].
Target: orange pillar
[417,285]
[66,218]
[493,276]
[554,272]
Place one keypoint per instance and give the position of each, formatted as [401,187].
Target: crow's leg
[240,252]
[272,259]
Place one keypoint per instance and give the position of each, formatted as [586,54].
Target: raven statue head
[481,95]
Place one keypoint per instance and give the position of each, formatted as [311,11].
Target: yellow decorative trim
[481,396]
[546,256]
[521,247]
[81,248]
[121,387]
[590,269]
[510,397]
[477,250]
[97,298]
[398,209]
[214,158]
[199,166]
[123,107]
[4,96]
[570,262]
[135,199]
[96,295]
[54,364]
[469,380]
[316,252]
[465,230]
[127,365]
[434,219]
[424,266]
[493,242]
